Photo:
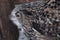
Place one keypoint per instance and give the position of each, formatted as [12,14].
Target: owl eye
[17,14]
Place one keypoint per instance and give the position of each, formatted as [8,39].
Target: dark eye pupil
[17,14]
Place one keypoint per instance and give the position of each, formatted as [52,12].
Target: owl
[42,16]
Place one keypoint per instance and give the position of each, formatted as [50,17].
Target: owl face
[45,19]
